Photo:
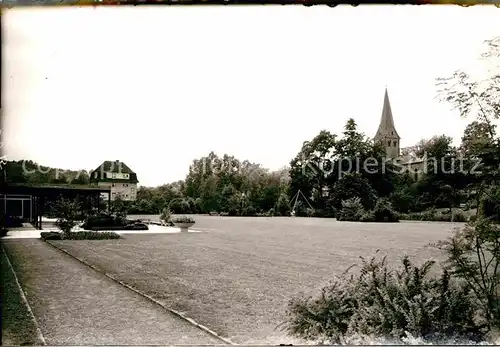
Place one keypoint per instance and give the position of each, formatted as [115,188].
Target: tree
[80,179]
[311,169]
[474,251]
[444,168]
[350,186]
[479,98]
[119,207]
[283,207]
[66,212]
[477,137]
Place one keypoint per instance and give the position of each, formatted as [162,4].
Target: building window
[395,144]
[389,143]
[416,173]
[112,184]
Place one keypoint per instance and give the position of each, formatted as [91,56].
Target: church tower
[386,133]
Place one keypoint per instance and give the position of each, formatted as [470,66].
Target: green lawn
[238,278]
[18,327]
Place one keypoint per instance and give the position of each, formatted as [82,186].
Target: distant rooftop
[113,167]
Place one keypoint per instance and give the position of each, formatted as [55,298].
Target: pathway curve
[75,305]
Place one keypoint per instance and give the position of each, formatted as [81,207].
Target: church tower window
[389,143]
[395,144]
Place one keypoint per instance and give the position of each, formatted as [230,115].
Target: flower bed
[79,235]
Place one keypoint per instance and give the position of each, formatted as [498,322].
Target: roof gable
[113,167]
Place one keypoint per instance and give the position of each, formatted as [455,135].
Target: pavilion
[27,201]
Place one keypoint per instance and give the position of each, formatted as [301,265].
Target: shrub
[352,210]
[233,211]
[283,207]
[384,212]
[367,216]
[80,235]
[323,213]
[459,216]
[67,212]
[349,185]
[249,211]
[432,216]
[51,235]
[131,226]
[104,220]
[429,215]
[474,256]
[166,216]
[310,212]
[390,304]
[439,217]
[183,219]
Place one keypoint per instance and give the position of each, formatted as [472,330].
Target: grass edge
[24,300]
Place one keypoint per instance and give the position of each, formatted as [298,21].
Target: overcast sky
[156,87]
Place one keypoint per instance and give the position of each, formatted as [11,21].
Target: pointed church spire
[386,127]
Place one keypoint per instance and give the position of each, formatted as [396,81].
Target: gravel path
[75,305]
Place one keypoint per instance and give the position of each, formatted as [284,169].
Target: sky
[157,87]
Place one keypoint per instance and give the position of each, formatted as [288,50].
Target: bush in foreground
[390,304]
[80,235]
[473,255]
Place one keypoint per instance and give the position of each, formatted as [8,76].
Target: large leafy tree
[479,98]
[311,170]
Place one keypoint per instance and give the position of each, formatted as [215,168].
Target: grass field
[18,327]
[238,277]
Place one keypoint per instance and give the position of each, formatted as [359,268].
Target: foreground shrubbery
[353,211]
[80,235]
[462,303]
[381,302]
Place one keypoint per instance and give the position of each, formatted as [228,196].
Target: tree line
[327,170]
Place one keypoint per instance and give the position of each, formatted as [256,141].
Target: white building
[118,177]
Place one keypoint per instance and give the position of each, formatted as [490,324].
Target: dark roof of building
[113,167]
